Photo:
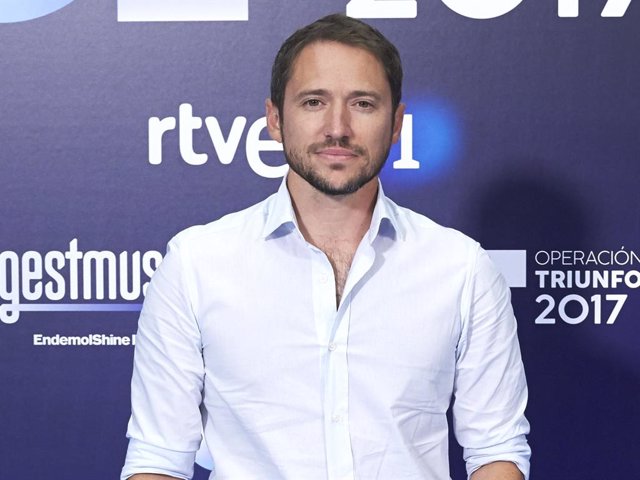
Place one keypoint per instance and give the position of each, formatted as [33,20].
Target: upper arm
[490,388]
[167,382]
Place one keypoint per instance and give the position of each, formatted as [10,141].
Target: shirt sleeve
[166,387]
[490,387]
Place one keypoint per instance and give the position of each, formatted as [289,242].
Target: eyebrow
[321,92]
[365,93]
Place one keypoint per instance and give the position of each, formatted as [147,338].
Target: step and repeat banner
[123,122]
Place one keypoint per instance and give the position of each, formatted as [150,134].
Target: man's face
[337,123]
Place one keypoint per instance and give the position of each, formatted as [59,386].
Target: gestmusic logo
[41,282]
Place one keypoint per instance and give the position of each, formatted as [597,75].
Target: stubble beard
[301,163]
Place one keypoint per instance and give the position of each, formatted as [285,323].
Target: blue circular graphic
[12,11]
[429,147]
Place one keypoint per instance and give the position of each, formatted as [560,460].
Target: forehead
[325,64]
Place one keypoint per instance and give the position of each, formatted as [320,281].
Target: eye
[312,102]
[364,104]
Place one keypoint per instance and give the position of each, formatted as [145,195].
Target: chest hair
[340,255]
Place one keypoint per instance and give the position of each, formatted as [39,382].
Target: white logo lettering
[482,10]
[406,161]
[221,10]
[255,145]
[75,274]
[613,8]
[382,8]
[182,10]
[616,8]
[226,148]
[476,9]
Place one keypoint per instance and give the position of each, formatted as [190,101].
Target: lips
[336,152]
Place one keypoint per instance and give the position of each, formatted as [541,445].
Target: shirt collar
[281,218]
[279,212]
[384,220]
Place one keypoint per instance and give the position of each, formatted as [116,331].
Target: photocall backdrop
[123,122]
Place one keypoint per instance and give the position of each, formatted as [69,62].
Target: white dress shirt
[240,337]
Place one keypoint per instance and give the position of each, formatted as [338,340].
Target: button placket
[338,438]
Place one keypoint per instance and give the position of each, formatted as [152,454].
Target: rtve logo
[238,10]
[437,140]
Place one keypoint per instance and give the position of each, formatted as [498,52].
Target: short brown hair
[342,29]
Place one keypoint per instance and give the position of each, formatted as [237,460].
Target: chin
[339,188]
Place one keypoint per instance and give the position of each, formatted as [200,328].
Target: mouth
[336,153]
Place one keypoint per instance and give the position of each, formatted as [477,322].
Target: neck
[326,218]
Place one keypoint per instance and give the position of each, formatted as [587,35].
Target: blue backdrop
[122,124]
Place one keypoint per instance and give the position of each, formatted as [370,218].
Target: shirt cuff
[145,458]
[515,450]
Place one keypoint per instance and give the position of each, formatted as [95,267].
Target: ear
[273,121]
[398,117]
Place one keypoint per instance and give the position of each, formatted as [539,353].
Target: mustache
[340,142]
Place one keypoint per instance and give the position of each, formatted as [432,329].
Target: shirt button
[324,278]
[332,347]
[336,418]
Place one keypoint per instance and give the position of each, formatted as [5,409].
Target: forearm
[497,471]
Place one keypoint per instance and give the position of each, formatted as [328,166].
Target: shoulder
[417,228]
[232,229]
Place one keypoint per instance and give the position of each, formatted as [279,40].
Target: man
[323,333]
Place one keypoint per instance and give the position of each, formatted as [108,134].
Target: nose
[338,123]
